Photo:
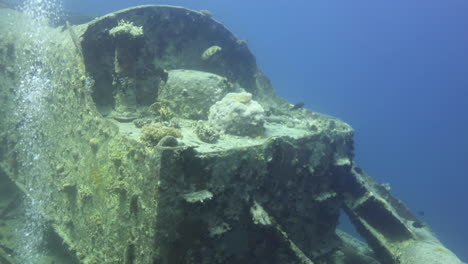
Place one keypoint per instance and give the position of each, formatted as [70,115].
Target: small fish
[210,52]
[297,106]
[421,213]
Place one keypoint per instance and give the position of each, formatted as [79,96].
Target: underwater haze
[397,71]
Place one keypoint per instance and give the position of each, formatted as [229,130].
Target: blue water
[397,71]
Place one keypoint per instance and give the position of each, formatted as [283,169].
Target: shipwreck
[150,136]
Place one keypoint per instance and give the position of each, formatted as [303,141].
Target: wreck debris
[261,217]
[389,226]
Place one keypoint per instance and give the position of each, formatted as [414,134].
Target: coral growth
[206,133]
[153,133]
[238,114]
[125,28]
[162,109]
